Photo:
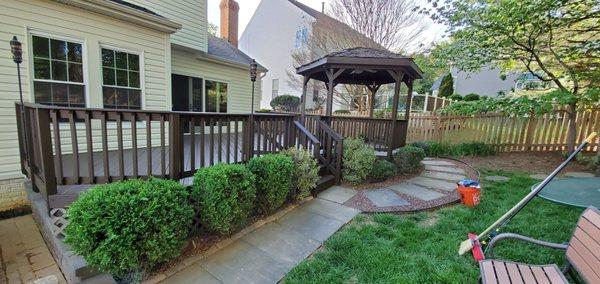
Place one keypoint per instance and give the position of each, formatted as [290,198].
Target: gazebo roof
[361,66]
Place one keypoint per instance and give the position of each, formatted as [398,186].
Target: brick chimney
[229,21]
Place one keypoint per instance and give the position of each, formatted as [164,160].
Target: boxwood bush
[225,195]
[382,170]
[436,149]
[129,226]
[358,160]
[274,175]
[409,158]
[306,172]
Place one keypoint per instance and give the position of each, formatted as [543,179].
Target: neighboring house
[488,82]
[277,30]
[134,54]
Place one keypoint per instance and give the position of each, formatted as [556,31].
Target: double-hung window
[121,87]
[301,37]
[58,72]
[216,96]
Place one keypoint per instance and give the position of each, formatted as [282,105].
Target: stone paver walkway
[268,253]
[435,186]
[25,257]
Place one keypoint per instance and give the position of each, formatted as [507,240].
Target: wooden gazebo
[369,67]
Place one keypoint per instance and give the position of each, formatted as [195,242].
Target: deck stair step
[324,183]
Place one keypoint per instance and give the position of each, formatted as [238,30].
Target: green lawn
[422,247]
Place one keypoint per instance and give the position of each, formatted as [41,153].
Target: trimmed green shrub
[442,150]
[436,149]
[306,173]
[225,195]
[274,174]
[456,97]
[471,97]
[475,149]
[285,103]
[358,160]
[382,170]
[408,158]
[129,226]
[263,110]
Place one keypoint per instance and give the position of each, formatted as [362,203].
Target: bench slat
[593,216]
[526,274]
[581,266]
[586,254]
[554,275]
[489,276]
[513,272]
[501,272]
[540,275]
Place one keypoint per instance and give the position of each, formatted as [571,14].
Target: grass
[422,247]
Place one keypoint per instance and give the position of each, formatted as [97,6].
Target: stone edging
[185,263]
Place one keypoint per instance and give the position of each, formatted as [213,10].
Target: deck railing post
[46,153]
[175,146]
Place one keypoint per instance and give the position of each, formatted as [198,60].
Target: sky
[247,8]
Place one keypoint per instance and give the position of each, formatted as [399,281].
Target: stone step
[433,183]
[443,176]
[416,191]
[445,169]
[385,197]
[432,162]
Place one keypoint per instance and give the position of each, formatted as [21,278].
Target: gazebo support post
[409,84]
[373,91]
[303,100]
[332,74]
[397,75]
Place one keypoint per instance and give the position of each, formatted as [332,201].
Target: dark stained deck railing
[66,147]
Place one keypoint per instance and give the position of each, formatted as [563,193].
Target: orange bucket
[469,196]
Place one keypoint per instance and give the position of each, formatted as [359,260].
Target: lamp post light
[17,52]
[253,75]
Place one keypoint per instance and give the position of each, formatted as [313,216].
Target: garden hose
[467,164]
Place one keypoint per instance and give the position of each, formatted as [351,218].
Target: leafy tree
[446,86]
[432,66]
[555,40]
[285,103]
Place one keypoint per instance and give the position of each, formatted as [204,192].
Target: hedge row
[130,226]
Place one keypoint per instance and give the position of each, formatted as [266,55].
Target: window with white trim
[216,96]
[121,87]
[301,37]
[58,72]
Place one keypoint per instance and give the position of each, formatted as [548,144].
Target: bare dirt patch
[530,162]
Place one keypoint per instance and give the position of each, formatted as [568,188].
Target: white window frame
[142,72]
[204,103]
[86,85]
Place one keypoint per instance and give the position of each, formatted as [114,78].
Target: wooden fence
[547,132]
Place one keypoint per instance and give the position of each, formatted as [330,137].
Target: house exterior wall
[270,38]
[191,14]
[24,17]
[237,78]
[486,82]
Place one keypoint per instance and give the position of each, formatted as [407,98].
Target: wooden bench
[582,253]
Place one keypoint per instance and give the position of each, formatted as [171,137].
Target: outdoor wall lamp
[253,75]
[17,50]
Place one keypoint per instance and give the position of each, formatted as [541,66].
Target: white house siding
[22,17]
[191,14]
[237,78]
[486,82]
[270,38]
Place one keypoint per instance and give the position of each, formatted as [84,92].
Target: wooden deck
[225,150]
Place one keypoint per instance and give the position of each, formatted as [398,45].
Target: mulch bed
[361,202]
[530,162]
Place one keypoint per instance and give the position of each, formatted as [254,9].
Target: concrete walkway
[271,251]
[24,255]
